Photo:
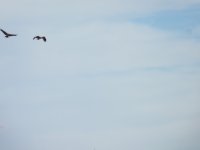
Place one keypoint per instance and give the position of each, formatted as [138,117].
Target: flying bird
[7,35]
[40,37]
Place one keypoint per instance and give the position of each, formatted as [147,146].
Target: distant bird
[7,35]
[40,37]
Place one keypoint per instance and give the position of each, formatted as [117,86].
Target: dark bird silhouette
[7,35]
[40,37]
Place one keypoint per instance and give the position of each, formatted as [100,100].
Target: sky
[112,75]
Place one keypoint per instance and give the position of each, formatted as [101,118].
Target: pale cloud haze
[112,75]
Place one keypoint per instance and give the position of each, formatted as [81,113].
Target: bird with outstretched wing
[7,35]
[40,37]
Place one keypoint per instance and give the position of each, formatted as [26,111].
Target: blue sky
[112,75]
[185,19]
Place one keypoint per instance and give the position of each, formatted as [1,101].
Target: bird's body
[7,35]
[40,37]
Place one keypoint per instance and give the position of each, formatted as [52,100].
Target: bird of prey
[7,35]
[40,37]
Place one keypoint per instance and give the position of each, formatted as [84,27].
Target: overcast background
[113,75]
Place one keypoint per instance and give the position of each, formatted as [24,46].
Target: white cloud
[100,46]
[88,8]
[109,84]
[176,135]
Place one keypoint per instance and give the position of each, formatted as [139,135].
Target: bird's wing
[12,34]
[36,37]
[44,38]
[4,32]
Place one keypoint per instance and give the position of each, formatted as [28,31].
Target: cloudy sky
[113,75]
